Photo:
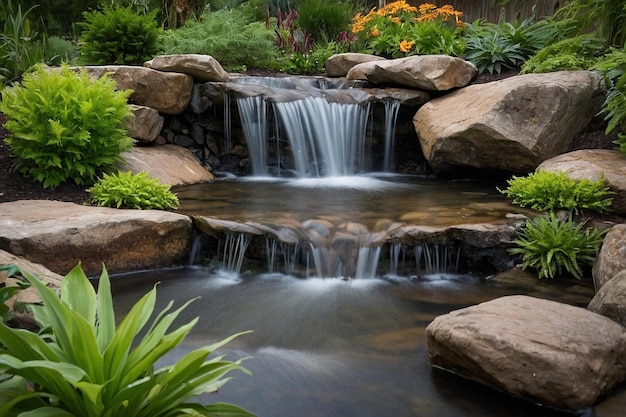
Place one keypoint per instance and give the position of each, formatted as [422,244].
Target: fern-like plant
[577,53]
[118,35]
[82,364]
[554,247]
[64,126]
[613,66]
[138,191]
[551,191]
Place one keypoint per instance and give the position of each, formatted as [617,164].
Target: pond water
[332,347]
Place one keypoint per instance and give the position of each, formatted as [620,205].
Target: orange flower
[375,32]
[406,46]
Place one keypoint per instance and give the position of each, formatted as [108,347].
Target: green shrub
[490,50]
[554,247]
[82,364]
[306,64]
[64,126]
[551,191]
[227,35]
[60,50]
[577,53]
[324,20]
[118,35]
[613,66]
[139,191]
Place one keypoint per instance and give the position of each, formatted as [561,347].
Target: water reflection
[330,347]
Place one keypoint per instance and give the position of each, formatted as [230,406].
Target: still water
[332,347]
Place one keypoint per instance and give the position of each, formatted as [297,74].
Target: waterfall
[367,262]
[327,139]
[391,116]
[228,136]
[253,113]
[429,259]
[235,247]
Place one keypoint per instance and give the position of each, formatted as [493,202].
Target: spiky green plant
[613,66]
[554,247]
[138,191]
[82,364]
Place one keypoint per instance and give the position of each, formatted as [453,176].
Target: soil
[14,186]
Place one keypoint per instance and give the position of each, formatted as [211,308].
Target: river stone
[338,65]
[610,301]
[202,68]
[592,165]
[171,164]
[145,125]
[611,258]
[428,72]
[166,92]
[544,351]
[512,124]
[59,235]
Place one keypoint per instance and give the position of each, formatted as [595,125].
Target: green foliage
[20,45]
[60,50]
[324,20]
[306,64]
[227,35]
[118,35]
[604,18]
[64,126]
[551,191]
[577,53]
[490,49]
[82,364]
[613,66]
[554,247]
[6,292]
[139,191]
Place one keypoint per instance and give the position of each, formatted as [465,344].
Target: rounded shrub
[64,126]
[125,190]
[324,19]
[118,35]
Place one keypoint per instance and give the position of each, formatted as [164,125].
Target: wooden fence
[495,11]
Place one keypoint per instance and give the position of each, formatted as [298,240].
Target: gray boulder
[59,235]
[428,72]
[202,68]
[512,124]
[610,301]
[145,125]
[547,352]
[594,164]
[611,259]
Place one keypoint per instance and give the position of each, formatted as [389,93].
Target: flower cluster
[399,29]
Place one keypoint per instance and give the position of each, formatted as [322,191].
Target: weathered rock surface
[201,67]
[59,235]
[610,301]
[145,125]
[544,351]
[594,164]
[428,72]
[338,65]
[172,164]
[166,92]
[612,256]
[512,124]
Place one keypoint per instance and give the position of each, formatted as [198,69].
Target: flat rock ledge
[547,352]
[59,235]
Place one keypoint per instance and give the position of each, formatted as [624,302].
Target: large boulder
[512,124]
[338,65]
[145,125]
[59,235]
[594,164]
[547,352]
[171,164]
[428,72]
[610,301]
[202,68]
[612,256]
[166,92]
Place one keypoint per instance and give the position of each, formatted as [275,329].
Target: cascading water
[391,115]
[253,111]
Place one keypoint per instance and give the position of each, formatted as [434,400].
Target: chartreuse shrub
[64,126]
[552,191]
[118,35]
[82,364]
[554,247]
[139,191]
[577,53]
